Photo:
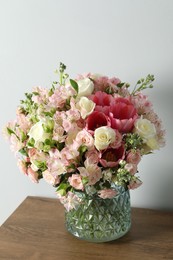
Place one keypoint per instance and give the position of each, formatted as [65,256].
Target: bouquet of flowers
[85,135]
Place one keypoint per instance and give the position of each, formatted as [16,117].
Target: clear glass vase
[101,220]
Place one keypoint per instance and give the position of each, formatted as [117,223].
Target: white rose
[86,87]
[145,129]
[86,107]
[38,134]
[153,143]
[103,137]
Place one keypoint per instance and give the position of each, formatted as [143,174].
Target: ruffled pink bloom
[134,184]
[141,103]
[97,119]
[22,166]
[107,193]
[122,114]
[70,201]
[51,178]
[111,157]
[103,82]
[42,95]
[118,140]
[131,167]
[33,175]
[92,156]
[92,171]
[76,181]
[23,121]
[133,157]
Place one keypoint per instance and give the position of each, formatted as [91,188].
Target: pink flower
[33,175]
[122,114]
[107,193]
[133,156]
[134,184]
[102,101]
[71,201]
[102,82]
[22,166]
[92,156]
[111,157]
[141,103]
[131,167]
[85,138]
[51,178]
[92,171]
[97,119]
[76,181]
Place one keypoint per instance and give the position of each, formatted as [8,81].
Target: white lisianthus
[38,134]
[86,106]
[85,87]
[103,137]
[145,129]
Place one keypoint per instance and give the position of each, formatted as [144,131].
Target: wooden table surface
[36,231]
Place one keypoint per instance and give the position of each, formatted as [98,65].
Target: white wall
[124,38]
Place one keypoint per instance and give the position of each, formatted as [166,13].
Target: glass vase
[100,220]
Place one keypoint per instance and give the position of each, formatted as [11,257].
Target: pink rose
[85,138]
[107,193]
[97,119]
[111,157]
[122,114]
[133,157]
[76,181]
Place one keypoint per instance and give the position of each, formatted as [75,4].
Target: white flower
[86,87]
[153,143]
[86,107]
[38,134]
[145,129]
[103,137]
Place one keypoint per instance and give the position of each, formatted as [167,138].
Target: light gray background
[125,38]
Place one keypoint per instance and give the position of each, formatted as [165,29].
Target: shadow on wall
[164,192]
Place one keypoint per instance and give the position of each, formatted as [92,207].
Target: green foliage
[132,141]
[74,85]
[143,83]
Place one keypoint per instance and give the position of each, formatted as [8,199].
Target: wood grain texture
[36,231]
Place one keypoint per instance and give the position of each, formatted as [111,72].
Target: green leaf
[23,152]
[10,131]
[31,142]
[41,165]
[74,85]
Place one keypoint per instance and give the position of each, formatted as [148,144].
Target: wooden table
[36,231]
